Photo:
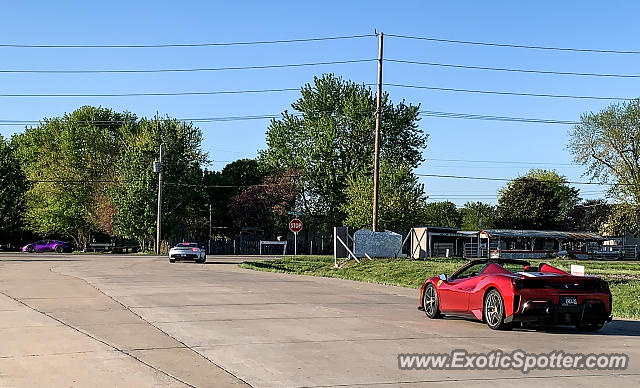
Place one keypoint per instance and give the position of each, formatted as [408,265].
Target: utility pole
[209,229]
[159,219]
[376,162]
[479,215]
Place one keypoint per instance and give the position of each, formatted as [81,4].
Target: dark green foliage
[471,213]
[443,213]
[332,141]
[539,200]
[401,199]
[13,188]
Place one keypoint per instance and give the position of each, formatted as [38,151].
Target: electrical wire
[509,45]
[531,71]
[152,93]
[206,44]
[510,179]
[470,116]
[507,93]
[183,70]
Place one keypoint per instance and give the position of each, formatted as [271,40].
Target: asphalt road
[110,320]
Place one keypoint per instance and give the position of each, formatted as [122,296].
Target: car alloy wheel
[30,249]
[430,302]
[494,310]
[59,249]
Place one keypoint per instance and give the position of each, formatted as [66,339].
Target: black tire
[172,260]
[430,302]
[589,326]
[30,249]
[59,249]
[493,310]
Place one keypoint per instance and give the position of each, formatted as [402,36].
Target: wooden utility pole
[376,162]
[159,219]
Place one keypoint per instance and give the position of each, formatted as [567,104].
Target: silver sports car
[187,251]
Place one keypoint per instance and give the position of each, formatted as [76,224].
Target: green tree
[135,192]
[444,213]
[608,144]
[331,141]
[232,180]
[472,212]
[623,218]
[591,215]
[539,200]
[13,187]
[401,199]
[266,205]
[68,159]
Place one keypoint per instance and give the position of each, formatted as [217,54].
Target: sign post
[295,226]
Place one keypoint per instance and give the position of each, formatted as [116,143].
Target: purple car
[48,246]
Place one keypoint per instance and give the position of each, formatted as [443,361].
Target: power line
[531,71]
[509,93]
[152,93]
[510,179]
[469,116]
[276,90]
[184,70]
[500,161]
[522,46]
[206,44]
[439,114]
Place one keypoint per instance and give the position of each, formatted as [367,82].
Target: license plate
[568,301]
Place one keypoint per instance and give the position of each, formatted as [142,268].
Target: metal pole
[159,219]
[376,162]
[209,229]
[295,244]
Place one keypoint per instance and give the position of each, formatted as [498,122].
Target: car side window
[472,271]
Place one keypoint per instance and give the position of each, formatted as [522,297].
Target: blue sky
[584,24]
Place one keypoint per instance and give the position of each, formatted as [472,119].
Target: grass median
[623,276]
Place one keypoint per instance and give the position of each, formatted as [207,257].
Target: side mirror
[443,277]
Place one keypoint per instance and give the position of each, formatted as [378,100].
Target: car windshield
[188,245]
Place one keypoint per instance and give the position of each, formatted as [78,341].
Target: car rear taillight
[194,249]
[518,284]
[604,286]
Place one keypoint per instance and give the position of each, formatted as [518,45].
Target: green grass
[623,276]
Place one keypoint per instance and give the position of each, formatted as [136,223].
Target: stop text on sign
[295,225]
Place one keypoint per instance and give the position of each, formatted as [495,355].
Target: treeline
[88,174]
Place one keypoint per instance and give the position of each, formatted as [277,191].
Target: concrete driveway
[107,320]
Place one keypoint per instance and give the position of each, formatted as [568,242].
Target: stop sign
[295,225]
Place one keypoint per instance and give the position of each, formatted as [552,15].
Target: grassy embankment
[623,276]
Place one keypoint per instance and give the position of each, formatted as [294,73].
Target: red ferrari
[504,293]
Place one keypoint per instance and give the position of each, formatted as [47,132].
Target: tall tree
[266,205]
[538,200]
[608,143]
[232,180]
[443,213]
[68,159]
[331,141]
[401,199]
[477,215]
[591,215]
[135,192]
[13,187]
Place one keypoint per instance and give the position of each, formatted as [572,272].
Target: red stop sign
[295,225]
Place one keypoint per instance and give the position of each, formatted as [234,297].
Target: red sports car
[504,292]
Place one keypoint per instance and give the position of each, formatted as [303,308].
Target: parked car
[504,292]
[187,251]
[48,246]
[8,247]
